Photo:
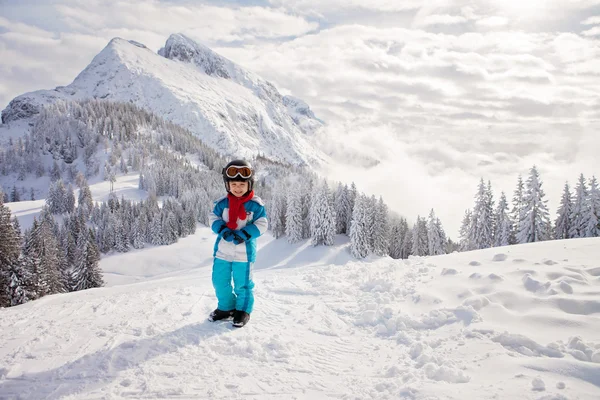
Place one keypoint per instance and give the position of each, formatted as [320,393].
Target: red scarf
[237,209]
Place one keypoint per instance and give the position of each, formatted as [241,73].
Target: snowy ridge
[518,322]
[232,110]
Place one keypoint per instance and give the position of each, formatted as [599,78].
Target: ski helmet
[238,171]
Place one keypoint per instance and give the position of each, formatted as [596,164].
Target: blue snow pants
[238,297]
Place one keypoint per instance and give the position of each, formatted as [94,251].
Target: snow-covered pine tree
[465,240]
[443,237]
[138,232]
[395,249]
[534,225]
[517,210]
[69,199]
[398,236]
[381,229]
[481,233]
[435,237]
[277,213]
[503,223]
[359,242]
[85,198]
[407,243]
[14,194]
[343,208]
[592,228]
[308,191]
[322,218]
[352,193]
[17,287]
[10,248]
[490,208]
[86,271]
[41,258]
[562,226]
[55,174]
[578,214]
[371,210]
[294,222]
[420,244]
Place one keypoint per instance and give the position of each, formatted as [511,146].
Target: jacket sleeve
[259,226]
[215,218]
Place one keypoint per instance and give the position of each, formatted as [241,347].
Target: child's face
[238,189]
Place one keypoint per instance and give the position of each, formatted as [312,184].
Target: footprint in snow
[500,257]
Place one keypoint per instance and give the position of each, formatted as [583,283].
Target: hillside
[519,322]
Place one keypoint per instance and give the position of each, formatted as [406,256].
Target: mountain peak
[182,48]
[234,110]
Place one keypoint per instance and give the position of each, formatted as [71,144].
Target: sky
[421,99]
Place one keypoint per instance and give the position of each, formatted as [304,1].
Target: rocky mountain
[232,110]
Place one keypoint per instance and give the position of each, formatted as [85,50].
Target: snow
[324,326]
[517,323]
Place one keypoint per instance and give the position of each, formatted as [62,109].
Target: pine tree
[69,199]
[503,223]
[481,233]
[85,200]
[563,222]
[371,210]
[343,209]
[420,244]
[466,243]
[490,209]
[138,233]
[294,223]
[435,237]
[381,229]
[86,271]
[592,228]
[9,252]
[359,242]
[322,218]
[517,210]
[277,214]
[351,196]
[578,214]
[395,250]
[534,225]
[14,196]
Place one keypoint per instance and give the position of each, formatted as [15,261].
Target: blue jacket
[255,224]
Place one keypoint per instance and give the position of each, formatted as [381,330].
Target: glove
[227,234]
[241,236]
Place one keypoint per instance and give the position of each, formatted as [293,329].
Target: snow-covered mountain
[233,110]
[518,322]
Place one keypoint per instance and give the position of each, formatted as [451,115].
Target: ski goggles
[233,171]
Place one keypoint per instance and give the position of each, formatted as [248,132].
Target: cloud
[443,20]
[423,97]
[595,31]
[591,21]
[493,21]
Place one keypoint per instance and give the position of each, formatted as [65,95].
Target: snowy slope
[520,322]
[233,110]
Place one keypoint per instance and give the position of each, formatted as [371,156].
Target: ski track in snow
[382,328]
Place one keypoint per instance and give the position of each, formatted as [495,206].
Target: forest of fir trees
[70,142]
[75,139]
[529,220]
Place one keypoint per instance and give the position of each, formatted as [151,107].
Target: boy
[238,219]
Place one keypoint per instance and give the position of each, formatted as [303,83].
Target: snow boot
[218,315]
[240,318]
